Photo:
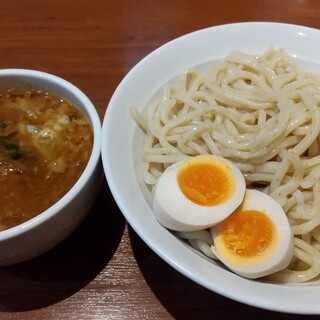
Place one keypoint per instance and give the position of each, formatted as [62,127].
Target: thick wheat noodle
[262,113]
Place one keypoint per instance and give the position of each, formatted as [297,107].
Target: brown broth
[45,144]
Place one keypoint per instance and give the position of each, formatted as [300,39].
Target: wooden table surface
[104,270]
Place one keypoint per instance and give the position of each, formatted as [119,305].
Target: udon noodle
[261,112]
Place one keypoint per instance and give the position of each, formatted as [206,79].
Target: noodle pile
[263,114]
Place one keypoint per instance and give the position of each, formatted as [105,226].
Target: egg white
[268,263]
[176,212]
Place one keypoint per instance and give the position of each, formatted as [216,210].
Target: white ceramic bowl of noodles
[121,147]
[50,227]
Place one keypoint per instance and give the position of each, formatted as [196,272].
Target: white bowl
[44,231]
[121,144]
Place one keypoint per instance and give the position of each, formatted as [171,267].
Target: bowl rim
[94,158]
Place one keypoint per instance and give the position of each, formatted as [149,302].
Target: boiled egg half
[197,193]
[256,239]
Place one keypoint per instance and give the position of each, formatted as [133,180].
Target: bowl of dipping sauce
[50,168]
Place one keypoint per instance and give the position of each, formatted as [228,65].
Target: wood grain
[104,270]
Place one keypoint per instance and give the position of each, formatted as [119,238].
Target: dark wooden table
[104,270]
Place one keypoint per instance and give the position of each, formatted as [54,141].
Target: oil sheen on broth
[45,144]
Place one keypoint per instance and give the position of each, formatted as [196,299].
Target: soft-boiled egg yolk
[198,193]
[206,183]
[248,234]
[256,239]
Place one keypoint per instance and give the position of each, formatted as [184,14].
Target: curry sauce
[45,144]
